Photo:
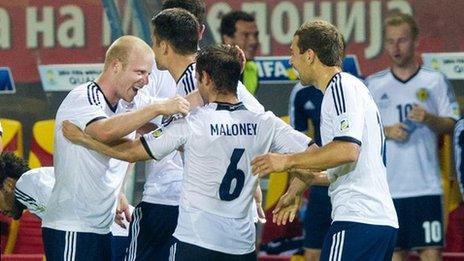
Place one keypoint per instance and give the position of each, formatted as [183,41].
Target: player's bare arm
[440,125]
[331,155]
[123,149]
[116,127]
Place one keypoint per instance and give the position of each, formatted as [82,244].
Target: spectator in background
[239,28]
[305,107]
[416,105]
[458,148]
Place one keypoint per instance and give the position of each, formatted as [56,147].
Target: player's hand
[122,211]
[174,105]
[418,114]
[258,196]
[268,163]
[72,132]
[286,209]
[397,132]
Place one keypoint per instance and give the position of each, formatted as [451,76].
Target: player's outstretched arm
[118,126]
[123,149]
[331,155]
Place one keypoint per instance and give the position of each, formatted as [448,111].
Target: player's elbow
[350,152]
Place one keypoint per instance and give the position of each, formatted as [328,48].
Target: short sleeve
[250,102]
[83,110]
[286,139]
[162,141]
[348,121]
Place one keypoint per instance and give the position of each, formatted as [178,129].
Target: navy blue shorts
[421,222]
[150,231]
[66,245]
[317,217]
[119,245]
[358,241]
[187,252]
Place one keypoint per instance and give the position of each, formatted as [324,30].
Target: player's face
[246,37]
[158,51]
[7,200]
[135,75]
[400,45]
[298,61]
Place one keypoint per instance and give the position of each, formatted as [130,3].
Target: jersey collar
[407,80]
[224,106]
[112,108]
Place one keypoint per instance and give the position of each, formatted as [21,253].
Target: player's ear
[9,184]
[310,56]
[165,47]
[201,32]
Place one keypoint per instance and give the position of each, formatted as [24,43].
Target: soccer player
[82,204]
[219,140]
[364,223]
[176,34]
[239,28]
[305,108]
[416,105]
[23,188]
[458,148]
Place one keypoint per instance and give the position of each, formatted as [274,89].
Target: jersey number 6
[233,173]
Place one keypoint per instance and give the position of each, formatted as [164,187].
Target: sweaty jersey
[87,182]
[417,173]
[359,190]
[163,177]
[219,141]
[458,149]
[305,104]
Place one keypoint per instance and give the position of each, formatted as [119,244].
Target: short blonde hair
[399,19]
[121,49]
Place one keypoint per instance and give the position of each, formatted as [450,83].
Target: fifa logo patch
[157,133]
[344,125]
[422,94]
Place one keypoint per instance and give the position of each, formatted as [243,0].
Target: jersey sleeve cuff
[146,147]
[348,139]
[94,120]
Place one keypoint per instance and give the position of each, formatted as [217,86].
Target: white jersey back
[163,178]
[33,189]
[219,142]
[358,191]
[417,174]
[87,182]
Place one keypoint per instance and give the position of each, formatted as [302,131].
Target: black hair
[178,27]
[11,166]
[195,7]
[230,19]
[222,64]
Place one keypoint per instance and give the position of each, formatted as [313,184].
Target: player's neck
[325,75]
[107,88]
[179,64]
[225,98]
[405,72]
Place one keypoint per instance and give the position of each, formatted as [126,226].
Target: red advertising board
[65,31]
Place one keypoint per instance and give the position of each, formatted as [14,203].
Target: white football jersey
[458,156]
[87,182]
[219,142]
[359,190]
[418,173]
[33,189]
[163,177]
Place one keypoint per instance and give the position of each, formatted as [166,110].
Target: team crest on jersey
[157,133]
[422,94]
[384,101]
[344,125]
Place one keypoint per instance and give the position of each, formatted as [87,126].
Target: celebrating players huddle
[202,194]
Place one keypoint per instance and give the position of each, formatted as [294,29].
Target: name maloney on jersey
[233,129]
